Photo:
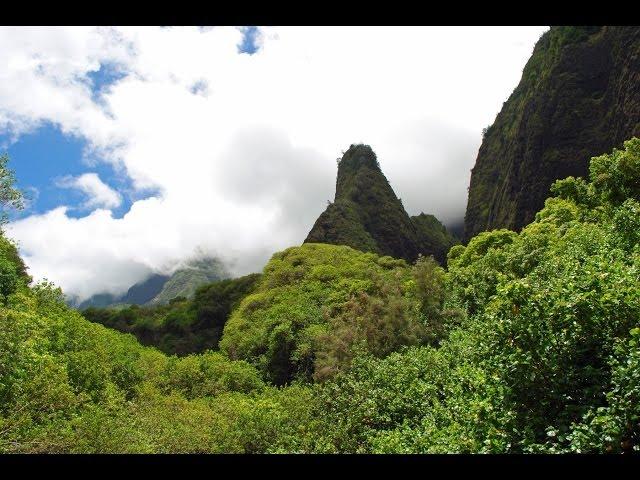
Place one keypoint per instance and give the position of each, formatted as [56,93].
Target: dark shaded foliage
[578,97]
[183,326]
[434,237]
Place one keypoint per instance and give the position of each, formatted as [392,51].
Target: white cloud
[97,192]
[241,147]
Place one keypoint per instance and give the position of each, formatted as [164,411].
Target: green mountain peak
[367,215]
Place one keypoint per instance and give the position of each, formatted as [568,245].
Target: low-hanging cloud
[241,148]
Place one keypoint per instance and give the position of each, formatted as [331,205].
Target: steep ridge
[579,96]
[367,215]
[433,236]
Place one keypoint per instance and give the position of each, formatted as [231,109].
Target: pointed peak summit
[357,156]
[358,171]
[366,213]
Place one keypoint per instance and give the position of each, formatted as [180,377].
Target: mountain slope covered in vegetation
[367,215]
[185,281]
[528,342]
[160,289]
[578,97]
[138,294]
[183,325]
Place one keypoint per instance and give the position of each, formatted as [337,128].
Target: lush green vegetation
[542,362]
[11,198]
[69,385]
[367,215]
[183,325]
[317,305]
[529,342]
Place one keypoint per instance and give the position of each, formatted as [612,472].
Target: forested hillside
[578,97]
[527,342]
[183,325]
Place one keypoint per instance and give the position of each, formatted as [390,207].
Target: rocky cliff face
[367,215]
[579,97]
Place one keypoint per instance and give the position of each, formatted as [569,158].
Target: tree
[10,196]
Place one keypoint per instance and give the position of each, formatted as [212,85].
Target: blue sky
[248,44]
[44,156]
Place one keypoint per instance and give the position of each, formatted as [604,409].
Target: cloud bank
[241,148]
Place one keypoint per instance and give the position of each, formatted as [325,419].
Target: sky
[138,146]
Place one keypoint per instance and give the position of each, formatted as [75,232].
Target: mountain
[145,291]
[97,300]
[434,237]
[185,281]
[160,289]
[579,96]
[367,215]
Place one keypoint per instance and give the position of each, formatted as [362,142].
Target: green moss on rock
[578,97]
[367,215]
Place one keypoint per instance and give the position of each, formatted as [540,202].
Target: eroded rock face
[579,97]
[367,215]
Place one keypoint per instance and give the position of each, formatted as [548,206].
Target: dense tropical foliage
[527,342]
[183,325]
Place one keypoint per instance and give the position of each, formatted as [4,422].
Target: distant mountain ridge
[160,289]
[185,281]
[367,215]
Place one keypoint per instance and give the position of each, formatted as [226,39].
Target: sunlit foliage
[529,342]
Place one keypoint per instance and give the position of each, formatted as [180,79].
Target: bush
[318,304]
